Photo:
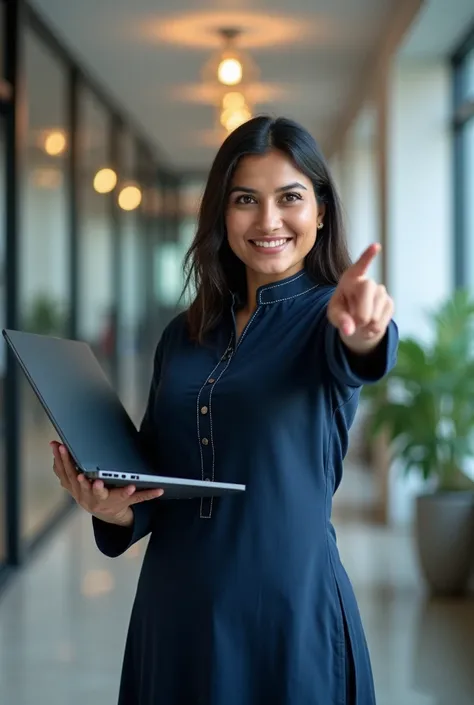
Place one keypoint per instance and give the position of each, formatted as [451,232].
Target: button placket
[206,448]
[204,428]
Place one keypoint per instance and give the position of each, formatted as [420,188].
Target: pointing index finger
[359,268]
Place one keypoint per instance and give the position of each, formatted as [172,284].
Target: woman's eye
[291,197]
[245,199]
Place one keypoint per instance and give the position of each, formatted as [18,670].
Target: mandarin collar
[282,290]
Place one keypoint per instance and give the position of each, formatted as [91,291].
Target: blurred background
[110,115]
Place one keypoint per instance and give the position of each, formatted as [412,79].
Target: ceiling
[149,56]
[438,29]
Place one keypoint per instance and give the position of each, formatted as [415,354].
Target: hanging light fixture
[230,66]
[55,143]
[234,110]
[229,72]
[105,180]
[130,198]
[232,70]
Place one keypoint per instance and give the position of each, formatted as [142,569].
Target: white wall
[418,217]
[356,175]
[420,192]
[420,230]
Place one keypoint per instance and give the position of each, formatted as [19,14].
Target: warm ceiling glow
[210,92]
[229,72]
[201,29]
[47,178]
[105,180]
[233,100]
[232,119]
[55,143]
[130,198]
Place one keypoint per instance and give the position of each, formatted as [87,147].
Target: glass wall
[133,271]
[44,263]
[3,351]
[190,195]
[169,252]
[97,314]
[82,253]
[2,38]
[468,197]
[469,75]
[464,166]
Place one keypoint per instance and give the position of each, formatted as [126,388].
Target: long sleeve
[355,371]
[113,540]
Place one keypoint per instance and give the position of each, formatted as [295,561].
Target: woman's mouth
[270,246]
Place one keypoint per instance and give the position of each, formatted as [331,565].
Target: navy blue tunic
[243,600]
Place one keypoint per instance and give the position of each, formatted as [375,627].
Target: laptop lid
[80,401]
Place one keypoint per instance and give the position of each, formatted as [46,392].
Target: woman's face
[272,216]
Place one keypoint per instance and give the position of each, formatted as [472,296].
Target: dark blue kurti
[243,600]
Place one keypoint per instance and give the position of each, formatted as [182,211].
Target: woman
[243,600]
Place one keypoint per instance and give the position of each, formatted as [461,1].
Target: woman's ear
[321,214]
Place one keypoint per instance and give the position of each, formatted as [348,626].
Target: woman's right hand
[112,506]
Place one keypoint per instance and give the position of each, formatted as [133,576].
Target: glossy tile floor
[63,622]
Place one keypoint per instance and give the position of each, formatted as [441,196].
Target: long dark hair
[212,269]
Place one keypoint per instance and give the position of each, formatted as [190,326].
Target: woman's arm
[355,369]
[361,337]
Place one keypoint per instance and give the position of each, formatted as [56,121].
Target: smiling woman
[270,208]
[245,601]
[265,218]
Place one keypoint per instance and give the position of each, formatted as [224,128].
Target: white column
[420,237]
[395,176]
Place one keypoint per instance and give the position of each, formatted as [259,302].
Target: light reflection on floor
[63,622]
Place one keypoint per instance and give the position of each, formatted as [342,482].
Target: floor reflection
[63,622]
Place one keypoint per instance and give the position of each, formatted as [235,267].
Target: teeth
[270,243]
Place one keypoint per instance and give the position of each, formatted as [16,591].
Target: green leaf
[426,404]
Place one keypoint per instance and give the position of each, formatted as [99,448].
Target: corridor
[63,622]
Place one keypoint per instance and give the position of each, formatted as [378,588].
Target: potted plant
[45,316]
[425,408]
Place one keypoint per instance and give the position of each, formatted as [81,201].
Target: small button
[211,380]
[204,410]
[205,441]
[207,479]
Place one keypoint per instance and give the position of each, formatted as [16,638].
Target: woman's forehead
[273,169]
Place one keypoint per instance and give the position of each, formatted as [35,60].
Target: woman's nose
[269,218]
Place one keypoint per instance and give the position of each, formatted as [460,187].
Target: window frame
[463,112]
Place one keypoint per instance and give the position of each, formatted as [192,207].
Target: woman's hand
[360,308]
[113,506]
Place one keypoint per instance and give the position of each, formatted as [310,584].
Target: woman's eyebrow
[280,189]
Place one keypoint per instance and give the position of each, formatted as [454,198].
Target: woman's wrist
[124,519]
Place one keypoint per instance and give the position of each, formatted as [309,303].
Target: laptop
[90,419]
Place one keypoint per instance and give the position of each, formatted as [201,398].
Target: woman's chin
[276,268]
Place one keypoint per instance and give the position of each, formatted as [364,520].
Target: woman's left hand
[360,308]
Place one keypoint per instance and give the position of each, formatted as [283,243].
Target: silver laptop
[90,419]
